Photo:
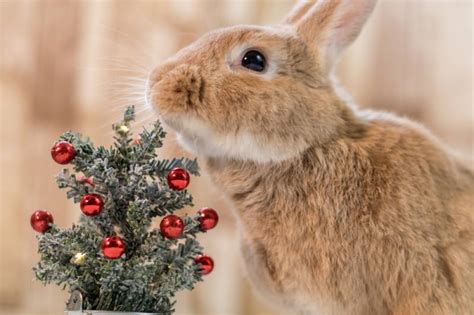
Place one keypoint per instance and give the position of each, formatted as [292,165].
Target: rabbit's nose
[182,87]
[153,78]
[157,74]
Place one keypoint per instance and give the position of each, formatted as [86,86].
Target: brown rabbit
[341,210]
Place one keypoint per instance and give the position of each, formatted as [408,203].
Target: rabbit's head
[260,93]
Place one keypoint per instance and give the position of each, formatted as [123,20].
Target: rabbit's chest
[295,246]
[290,279]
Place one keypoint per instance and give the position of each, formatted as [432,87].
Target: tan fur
[345,211]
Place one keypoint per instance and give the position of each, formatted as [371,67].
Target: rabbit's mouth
[196,136]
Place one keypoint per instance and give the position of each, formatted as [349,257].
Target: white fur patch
[197,137]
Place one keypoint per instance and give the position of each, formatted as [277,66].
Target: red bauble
[63,152]
[87,180]
[41,221]
[137,140]
[208,218]
[207,264]
[112,247]
[178,179]
[172,226]
[91,204]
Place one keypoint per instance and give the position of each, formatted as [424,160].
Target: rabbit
[340,210]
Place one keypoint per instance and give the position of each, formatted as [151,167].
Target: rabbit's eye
[254,60]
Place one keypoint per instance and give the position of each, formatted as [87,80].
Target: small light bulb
[123,129]
[79,259]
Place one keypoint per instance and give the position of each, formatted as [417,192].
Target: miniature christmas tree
[113,257]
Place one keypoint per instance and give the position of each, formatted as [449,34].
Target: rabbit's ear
[298,11]
[332,25]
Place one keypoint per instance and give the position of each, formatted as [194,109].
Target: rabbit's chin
[195,136]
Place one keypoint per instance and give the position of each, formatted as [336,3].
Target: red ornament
[91,204]
[172,226]
[208,218]
[178,179]
[63,152]
[137,140]
[206,262]
[41,221]
[87,180]
[112,247]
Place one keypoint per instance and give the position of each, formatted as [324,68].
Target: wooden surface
[75,64]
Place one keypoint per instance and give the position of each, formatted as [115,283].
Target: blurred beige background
[75,64]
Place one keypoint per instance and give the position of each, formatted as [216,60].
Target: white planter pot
[74,307]
[106,313]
